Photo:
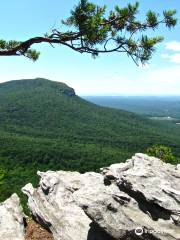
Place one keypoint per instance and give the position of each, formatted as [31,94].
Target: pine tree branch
[96,34]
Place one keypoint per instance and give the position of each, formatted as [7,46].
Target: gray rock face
[11,219]
[69,92]
[138,199]
[54,204]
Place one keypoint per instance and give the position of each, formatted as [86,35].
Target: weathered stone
[178,167]
[138,199]
[11,219]
[54,205]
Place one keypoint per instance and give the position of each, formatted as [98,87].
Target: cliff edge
[138,199]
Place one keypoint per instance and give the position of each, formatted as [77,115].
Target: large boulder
[54,206]
[11,219]
[138,199]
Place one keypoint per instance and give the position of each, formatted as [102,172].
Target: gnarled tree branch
[96,33]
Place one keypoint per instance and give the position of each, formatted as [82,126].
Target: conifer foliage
[91,29]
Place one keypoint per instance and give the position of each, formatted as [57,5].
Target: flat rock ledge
[138,199]
[11,219]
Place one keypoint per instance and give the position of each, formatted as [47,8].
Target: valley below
[44,125]
[162,107]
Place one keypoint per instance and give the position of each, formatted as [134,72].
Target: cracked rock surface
[138,199]
[11,219]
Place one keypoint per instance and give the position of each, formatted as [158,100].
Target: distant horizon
[126,95]
[99,94]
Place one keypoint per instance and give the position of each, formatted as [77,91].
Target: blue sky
[112,74]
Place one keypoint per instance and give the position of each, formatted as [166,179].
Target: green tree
[162,152]
[91,29]
[2,175]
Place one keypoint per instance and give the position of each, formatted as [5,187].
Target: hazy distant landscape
[157,108]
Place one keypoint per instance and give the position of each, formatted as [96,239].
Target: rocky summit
[11,219]
[138,199]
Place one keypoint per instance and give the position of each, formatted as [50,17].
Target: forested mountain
[45,125]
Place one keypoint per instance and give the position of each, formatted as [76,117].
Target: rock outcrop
[138,199]
[69,92]
[11,219]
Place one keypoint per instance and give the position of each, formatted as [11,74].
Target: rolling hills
[45,125]
[150,106]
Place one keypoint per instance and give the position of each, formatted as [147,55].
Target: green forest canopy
[44,125]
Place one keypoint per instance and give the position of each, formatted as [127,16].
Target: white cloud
[174,58]
[173,45]
[164,81]
[166,76]
[154,81]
